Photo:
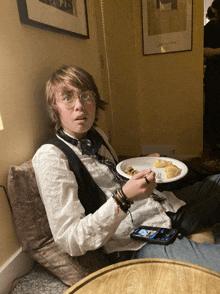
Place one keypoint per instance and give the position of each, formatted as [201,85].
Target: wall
[28,56]
[119,30]
[171,103]
[156,99]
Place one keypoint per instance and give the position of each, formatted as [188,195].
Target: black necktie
[91,146]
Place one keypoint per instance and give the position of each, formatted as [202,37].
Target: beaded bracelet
[122,201]
[121,205]
[124,197]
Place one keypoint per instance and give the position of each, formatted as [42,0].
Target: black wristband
[125,198]
[123,206]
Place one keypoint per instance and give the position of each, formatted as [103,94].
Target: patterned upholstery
[33,231]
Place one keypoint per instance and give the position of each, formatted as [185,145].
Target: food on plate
[169,169]
[130,171]
[159,163]
[172,171]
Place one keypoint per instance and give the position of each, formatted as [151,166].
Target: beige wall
[174,90]
[157,99]
[28,55]
[153,100]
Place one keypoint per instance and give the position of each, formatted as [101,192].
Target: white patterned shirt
[107,227]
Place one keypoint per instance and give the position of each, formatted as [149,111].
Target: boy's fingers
[141,174]
[149,178]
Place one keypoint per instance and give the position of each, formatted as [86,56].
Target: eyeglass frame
[79,96]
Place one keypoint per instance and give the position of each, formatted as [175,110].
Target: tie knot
[86,146]
[89,145]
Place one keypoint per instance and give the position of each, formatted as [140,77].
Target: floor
[38,281]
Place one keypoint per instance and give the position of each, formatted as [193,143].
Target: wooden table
[140,276]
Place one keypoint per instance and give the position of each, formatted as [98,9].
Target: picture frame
[61,16]
[166,26]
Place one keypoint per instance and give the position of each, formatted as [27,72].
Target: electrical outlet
[167,150]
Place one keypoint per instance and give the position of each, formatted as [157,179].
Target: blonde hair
[64,76]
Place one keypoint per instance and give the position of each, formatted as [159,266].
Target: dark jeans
[202,209]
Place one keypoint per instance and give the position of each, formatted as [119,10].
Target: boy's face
[76,117]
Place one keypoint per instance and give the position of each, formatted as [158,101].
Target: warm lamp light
[1,123]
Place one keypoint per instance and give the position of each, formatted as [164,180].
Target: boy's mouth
[81,118]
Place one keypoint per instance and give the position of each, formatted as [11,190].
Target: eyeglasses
[86,97]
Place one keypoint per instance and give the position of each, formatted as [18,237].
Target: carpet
[38,281]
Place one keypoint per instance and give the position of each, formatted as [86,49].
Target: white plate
[140,163]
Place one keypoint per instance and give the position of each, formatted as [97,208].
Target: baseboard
[16,266]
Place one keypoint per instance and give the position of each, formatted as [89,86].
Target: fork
[158,178]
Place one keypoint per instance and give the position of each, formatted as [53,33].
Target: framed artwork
[63,16]
[167,26]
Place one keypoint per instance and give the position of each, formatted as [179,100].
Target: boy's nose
[78,103]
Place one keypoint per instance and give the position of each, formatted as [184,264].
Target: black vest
[90,194]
